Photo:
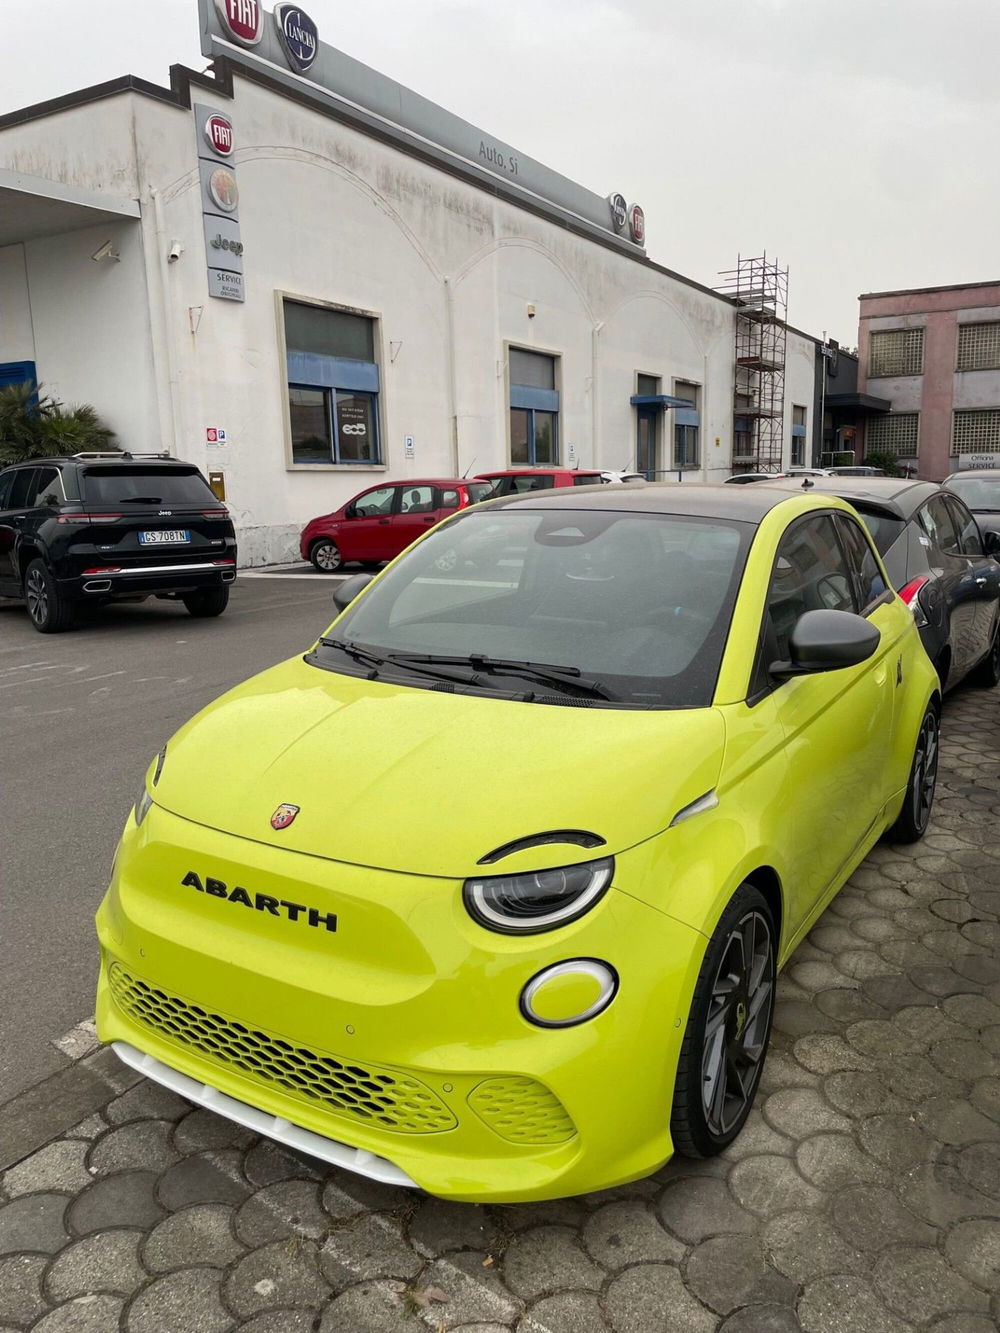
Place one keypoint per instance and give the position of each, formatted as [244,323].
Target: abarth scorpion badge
[283,816]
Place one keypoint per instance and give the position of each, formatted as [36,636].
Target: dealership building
[306,278]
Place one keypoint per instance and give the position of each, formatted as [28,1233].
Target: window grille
[895,434]
[978,347]
[976,432]
[896,352]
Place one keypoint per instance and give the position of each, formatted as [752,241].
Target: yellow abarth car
[486,893]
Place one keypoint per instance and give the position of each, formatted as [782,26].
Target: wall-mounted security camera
[107,251]
[175,252]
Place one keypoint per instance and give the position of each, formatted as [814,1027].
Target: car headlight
[539,900]
[144,800]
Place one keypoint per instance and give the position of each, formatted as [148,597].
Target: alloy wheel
[925,766]
[738,1021]
[37,596]
[327,557]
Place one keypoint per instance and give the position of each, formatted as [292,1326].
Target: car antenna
[467,470]
[807,482]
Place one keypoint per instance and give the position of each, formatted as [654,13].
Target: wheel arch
[767,882]
[25,554]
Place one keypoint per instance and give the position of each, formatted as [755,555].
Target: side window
[417,500]
[375,503]
[6,482]
[936,521]
[810,573]
[448,500]
[867,574]
[23,488]
[970,541]
[542,482]
[46,482]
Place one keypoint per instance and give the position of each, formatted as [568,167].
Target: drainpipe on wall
[594,403]
[167,321]
[449,298]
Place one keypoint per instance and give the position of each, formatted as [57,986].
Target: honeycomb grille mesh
[381,1097]
[521,1110]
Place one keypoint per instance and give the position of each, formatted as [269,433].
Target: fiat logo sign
[242,19]
[299,35]
[219,135]
[637,224]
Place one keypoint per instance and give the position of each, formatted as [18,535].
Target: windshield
[977,492]
[628,609]
[479,490]
[147,485]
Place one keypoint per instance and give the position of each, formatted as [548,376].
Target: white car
[620,478]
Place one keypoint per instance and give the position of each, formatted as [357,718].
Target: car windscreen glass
[884,528]
[982,493]
[141,485]
[637,606]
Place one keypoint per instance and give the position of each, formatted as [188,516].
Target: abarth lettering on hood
[262,902]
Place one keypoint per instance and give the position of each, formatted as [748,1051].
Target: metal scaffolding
[760,289]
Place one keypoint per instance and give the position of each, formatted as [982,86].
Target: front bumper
[398,1035]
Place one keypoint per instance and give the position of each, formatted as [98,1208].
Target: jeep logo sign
[242,20]
[299,35]
[619,211]
[219,135]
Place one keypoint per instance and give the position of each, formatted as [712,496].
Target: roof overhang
[31,207]
[865,402]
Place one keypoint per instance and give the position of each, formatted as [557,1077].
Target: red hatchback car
[379,523]
[517,480]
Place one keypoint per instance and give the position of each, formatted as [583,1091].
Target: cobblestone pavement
[863,1196]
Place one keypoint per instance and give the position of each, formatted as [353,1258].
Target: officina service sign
[298,34]
[243,20]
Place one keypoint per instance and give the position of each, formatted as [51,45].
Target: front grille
[521,1110]
[381,1097]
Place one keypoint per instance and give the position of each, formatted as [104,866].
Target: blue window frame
[534,409]
[333,386]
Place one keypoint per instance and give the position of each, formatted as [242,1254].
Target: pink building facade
[934,354]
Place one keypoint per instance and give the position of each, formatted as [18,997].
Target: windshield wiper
[139,500]
[376,660]
[568,677]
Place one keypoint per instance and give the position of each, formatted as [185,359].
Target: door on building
[647,441]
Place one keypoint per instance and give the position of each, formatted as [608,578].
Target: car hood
[426,782]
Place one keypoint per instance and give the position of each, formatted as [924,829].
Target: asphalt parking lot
[862,1197]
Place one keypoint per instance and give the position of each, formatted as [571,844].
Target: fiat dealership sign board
[220,203]
[218,131]
[243,20]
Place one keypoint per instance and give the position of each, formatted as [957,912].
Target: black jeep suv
[107,527]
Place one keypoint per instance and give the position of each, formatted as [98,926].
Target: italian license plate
[165,537]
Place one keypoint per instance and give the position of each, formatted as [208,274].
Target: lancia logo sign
[637,224]
[219,135]
[242,20]
[299,35]
[283,816]
[619,211]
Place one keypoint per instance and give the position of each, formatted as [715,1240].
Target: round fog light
[569,993]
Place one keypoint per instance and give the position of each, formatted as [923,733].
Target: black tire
[987,673]
[914,817]
[326,556]
[206,602]
[728,1028]
[49,611]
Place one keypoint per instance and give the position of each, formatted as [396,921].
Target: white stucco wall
[328,214]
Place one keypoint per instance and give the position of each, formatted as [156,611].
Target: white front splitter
[273,1127]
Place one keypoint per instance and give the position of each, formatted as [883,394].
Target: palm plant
[33,425]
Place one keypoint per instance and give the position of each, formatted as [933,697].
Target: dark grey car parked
[980,490]
[939,562]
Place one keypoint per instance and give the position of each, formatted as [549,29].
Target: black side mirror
[345,593]
[991,541]
[351,511]
[827,641]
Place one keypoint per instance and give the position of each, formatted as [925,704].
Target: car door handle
[431,519]
[385,521]
[982,582]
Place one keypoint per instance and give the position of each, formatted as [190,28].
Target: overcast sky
[855,141]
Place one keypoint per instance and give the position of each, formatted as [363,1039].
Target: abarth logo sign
[242,20]
[299,35]
[283,816]
[261,902]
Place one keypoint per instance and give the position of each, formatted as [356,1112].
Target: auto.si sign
[242,20]
[219,135]
[299,35]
